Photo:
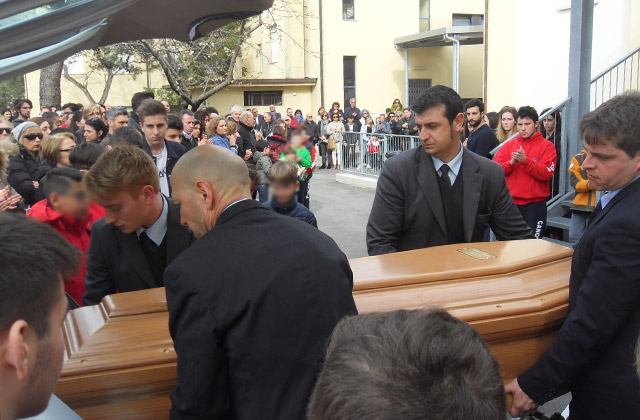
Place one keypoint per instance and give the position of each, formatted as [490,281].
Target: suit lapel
[472,187]
[132,250]
[427,179]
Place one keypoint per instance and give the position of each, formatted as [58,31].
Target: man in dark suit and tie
[250,334]
[141,233]
[440,193]
[594,354]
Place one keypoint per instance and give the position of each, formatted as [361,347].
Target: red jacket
[75,232]
[528,182]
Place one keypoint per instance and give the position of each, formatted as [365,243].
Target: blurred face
[166,105]
[608,167]
[474,116]
[7,115]
[32,139]
[406,113]
[352,103]
[90,133]
[174,135]
[291,157]
[66,146]
[267,116]
[549,123]
[272,108]
[296,141]
[527,127]
[236,115]
[309,117]
[250,121]
[154,128]
[439,138]
[46,128]
[335,118]
[336,106]
[392,116]
[298,113]
[283,194]
[396,102]
[72,203]
[188,122]
[365,115]
[508,122]
[5,130]
[221,129]
[97,113]
[255,112]
[25,111]
[120,121]
[290,112]
[197,130]
[58,122]
[123,210]
[287,120]
[44,362]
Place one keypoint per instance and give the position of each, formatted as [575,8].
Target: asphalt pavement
[342,211]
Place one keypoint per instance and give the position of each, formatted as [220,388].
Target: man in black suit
[594,354]
[249,334]
[440,193]
[141,233]
[165,154]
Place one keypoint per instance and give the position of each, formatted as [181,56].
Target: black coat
[250,334]
[246,141]
[408,213]
[594,354]
[174,153]
[23,170]
[43,170]
[116,261]
[482,141]
[312,130]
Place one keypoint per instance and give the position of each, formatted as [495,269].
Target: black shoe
[323,167]
[330,167]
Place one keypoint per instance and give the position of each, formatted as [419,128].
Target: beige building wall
[526,67]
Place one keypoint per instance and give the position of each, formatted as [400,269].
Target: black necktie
[444,170]
[597,211]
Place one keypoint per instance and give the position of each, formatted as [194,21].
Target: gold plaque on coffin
[121,363]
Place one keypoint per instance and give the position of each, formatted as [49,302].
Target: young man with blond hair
[141,233]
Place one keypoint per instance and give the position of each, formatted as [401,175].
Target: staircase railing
[620,77]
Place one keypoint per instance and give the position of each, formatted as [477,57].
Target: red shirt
[76,232]
[528,181]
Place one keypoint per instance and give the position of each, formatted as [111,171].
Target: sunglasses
[6,130]
[335,117]
[32,137]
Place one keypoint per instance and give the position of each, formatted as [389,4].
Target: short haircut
[616,121]
[284,173]
[261,145]
[415,364]
[51,146]
[151,107]
[73,107]
[123,169]
[114,112]
[184,112]
[128,136]
[85,155]
[19,102]
[175,123]
[528,112]
[35,259]
[439,96]
[139,97]
[288,150]
[493,120]
[60,180]
[473,103]
[98,125]
[235,108]
[245,115]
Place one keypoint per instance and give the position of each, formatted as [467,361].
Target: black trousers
[535,216]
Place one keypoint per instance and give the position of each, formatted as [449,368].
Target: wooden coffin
[121,362]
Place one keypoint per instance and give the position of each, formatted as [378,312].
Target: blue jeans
[263,193]
[579,223]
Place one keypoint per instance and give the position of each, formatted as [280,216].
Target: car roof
[36,33]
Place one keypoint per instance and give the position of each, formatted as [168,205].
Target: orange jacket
[585,198]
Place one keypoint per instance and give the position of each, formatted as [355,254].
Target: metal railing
[620,77]
[364,153]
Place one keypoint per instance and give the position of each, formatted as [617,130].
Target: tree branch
[79,85]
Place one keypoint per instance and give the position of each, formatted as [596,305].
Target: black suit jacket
[250,334]
[407,211]
[594,354]
[247,140]
[174,153]
[115,260]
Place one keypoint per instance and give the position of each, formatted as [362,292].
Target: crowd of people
[138,198]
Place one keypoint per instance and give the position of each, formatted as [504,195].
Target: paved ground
[342,211]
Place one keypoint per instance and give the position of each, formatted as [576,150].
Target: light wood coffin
[121,362]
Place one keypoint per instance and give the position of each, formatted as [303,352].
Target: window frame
[345,9]
[349,88]
[266,97]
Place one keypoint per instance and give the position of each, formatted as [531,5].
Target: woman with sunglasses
[334,132]
[397,106]
[23,167]
[56,150]
[95,130]
[323,141]
[5,128]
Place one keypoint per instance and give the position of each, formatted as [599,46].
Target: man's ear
[536,124]
[15,352]
[54,199]
[149,193]
[205,194]
[458,122]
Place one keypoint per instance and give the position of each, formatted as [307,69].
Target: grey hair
[235,108]
[245,115]
[115,111]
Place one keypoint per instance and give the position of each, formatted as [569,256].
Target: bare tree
[50,85]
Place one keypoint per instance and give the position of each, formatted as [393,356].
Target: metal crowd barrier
[363,153]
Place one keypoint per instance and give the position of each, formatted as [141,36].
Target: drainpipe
[456,61]
[321,55]
[406,76]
